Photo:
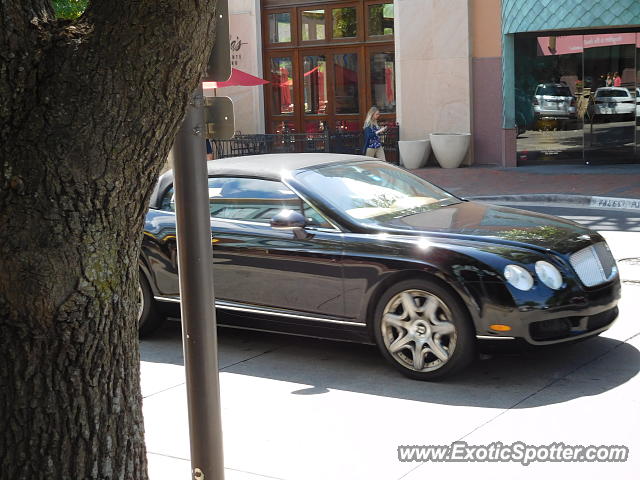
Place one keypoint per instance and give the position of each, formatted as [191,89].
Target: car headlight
[548,274]
[518,277]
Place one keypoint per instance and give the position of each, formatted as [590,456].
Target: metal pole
[196,294]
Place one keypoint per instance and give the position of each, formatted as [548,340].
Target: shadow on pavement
[504,380]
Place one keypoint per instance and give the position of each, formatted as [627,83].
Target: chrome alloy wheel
[417,330]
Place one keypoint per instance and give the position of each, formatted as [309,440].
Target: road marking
[611,202]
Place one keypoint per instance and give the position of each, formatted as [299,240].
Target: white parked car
[554,101]
[613,101]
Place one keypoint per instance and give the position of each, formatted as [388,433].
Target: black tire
[150,318]
[445,336]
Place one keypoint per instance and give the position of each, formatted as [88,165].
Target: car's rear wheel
[150,318]
[423,330]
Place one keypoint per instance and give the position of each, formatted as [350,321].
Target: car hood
[490,223]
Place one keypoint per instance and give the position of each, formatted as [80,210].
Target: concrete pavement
[305,409]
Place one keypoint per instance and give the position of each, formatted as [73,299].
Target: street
[301,408]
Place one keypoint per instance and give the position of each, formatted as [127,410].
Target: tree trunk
[88,112]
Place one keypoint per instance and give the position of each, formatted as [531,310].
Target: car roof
[270,166]
[274,165]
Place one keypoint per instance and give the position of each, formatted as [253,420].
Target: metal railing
[329,142]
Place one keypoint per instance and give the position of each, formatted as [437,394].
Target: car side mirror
[288,220]
[293,221]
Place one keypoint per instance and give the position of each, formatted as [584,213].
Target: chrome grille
[594,264]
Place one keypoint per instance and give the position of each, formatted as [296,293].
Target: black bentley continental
[348,247]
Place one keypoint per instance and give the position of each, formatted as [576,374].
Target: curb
[564,200]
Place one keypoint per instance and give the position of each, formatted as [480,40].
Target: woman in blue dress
[372,145]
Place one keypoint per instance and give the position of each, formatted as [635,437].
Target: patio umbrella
[238,79]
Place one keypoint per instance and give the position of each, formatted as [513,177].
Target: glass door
[347,82]
[610,73]
[316,97]
[549,99]
[280,99]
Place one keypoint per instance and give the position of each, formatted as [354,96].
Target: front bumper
[582,313]
[541,113]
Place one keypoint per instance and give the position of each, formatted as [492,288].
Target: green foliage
[344,22]
[69,9]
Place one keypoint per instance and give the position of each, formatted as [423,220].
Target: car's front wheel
[150,318]
[424,330]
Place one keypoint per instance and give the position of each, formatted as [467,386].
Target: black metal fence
[330,142]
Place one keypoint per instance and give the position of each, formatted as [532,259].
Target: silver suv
[554,101]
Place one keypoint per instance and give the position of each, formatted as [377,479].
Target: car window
[612,93]
[554,90]
[252,199]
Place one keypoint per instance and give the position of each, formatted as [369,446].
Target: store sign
[235,45]
[242,42]
[609,40]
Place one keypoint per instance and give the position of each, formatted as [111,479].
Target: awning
[238,79]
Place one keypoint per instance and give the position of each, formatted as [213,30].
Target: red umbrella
[238,78]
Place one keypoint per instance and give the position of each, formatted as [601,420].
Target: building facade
[534,81]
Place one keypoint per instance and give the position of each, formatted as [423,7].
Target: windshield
[612,93]
[374,193]
[554,90]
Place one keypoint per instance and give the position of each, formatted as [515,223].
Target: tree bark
[88,112]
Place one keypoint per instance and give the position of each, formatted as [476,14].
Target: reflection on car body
[362,250]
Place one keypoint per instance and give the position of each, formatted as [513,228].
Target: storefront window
[315,84]
[314,126]
[346,82]
[381,19]
[327,64]
[345,23]
[282,85]
[610,76]
[283,127]
[348,126]
[383,82]
[575,98]
[313,25]
[279,28]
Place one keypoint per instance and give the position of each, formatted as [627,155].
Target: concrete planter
[450,149]
[414,153]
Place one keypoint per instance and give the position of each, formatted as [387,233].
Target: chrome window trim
[262,224]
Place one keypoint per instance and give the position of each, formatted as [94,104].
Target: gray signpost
[195,256]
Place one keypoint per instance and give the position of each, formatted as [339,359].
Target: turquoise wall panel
[535,15]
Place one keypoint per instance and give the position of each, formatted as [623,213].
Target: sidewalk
[572,184]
